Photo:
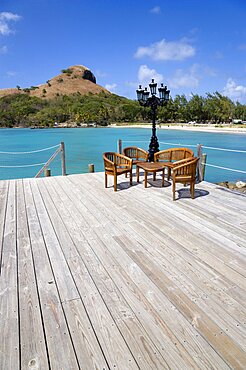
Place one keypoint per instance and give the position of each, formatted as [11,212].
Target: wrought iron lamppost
[153,102]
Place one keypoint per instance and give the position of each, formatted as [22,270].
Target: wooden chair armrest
[123,161]
[185,163]
[181,161]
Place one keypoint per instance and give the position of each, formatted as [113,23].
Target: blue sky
[192,46]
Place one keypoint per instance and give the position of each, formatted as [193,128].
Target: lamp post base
[153,148]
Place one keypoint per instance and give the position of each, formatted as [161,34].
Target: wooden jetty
[97,279]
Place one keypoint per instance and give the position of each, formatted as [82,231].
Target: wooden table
[150,167]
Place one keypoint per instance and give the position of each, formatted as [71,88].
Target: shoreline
[181,127]
[185,127]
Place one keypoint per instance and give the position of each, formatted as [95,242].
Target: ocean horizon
[85,146]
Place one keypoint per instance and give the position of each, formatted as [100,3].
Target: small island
[74,99]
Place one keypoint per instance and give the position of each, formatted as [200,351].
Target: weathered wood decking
[93,279]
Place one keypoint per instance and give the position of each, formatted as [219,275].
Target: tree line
[103,109]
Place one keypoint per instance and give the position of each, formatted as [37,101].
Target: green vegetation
[103,109]
[68,71]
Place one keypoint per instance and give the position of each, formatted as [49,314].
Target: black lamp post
[153,102]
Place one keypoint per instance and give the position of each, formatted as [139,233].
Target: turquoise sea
[84,146]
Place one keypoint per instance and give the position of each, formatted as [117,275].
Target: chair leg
[162,184]
[168,173]
[115,183]
[130,177]
[145,178]
[106,180]
[173,190]
[192,189]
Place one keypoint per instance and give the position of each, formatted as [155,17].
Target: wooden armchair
[170,156]
[136,154]
[184,172]
[116,164]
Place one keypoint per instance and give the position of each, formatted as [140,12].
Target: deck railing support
[60,149]
[204,160]
[120,146]
[63,159]
[91,168]
[199,155]
[47,172]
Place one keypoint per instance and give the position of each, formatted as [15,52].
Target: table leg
[163,171]
[137,170]
[154,176]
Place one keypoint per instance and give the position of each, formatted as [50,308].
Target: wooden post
[204,160]
[199,155]
[47,172]
[63,159]
[91,168]
[120,146]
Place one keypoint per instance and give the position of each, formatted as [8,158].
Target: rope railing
[189,145]
[202,162]
[222,168]
[33,151]
[224,149]
[24,165]
[60,149]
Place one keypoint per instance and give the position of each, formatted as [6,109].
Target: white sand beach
[189,127]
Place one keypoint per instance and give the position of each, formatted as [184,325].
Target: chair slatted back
[135,153]
[187,168]
[181,153]
[173,154]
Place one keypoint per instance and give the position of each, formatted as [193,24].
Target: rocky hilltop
[75,79]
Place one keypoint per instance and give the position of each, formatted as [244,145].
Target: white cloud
[11,73]
[145,75]
[242,47]
[100,73]
[185,79]
[218,55]
[3,49]
[234,91]
[5,19]
[111,87]
[155,10]
[166,50]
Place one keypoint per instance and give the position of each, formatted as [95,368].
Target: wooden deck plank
[171,352]
[4,185]
[95,246]
[9,310]
[59,345]
[65,283]
[228,349]
[223,291]
[227,319]
[173,221]
[97,279]
[215,311]
[137,338]
[111,341]
[33,347]
[89,353]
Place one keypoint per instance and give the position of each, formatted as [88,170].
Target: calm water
[84,146]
